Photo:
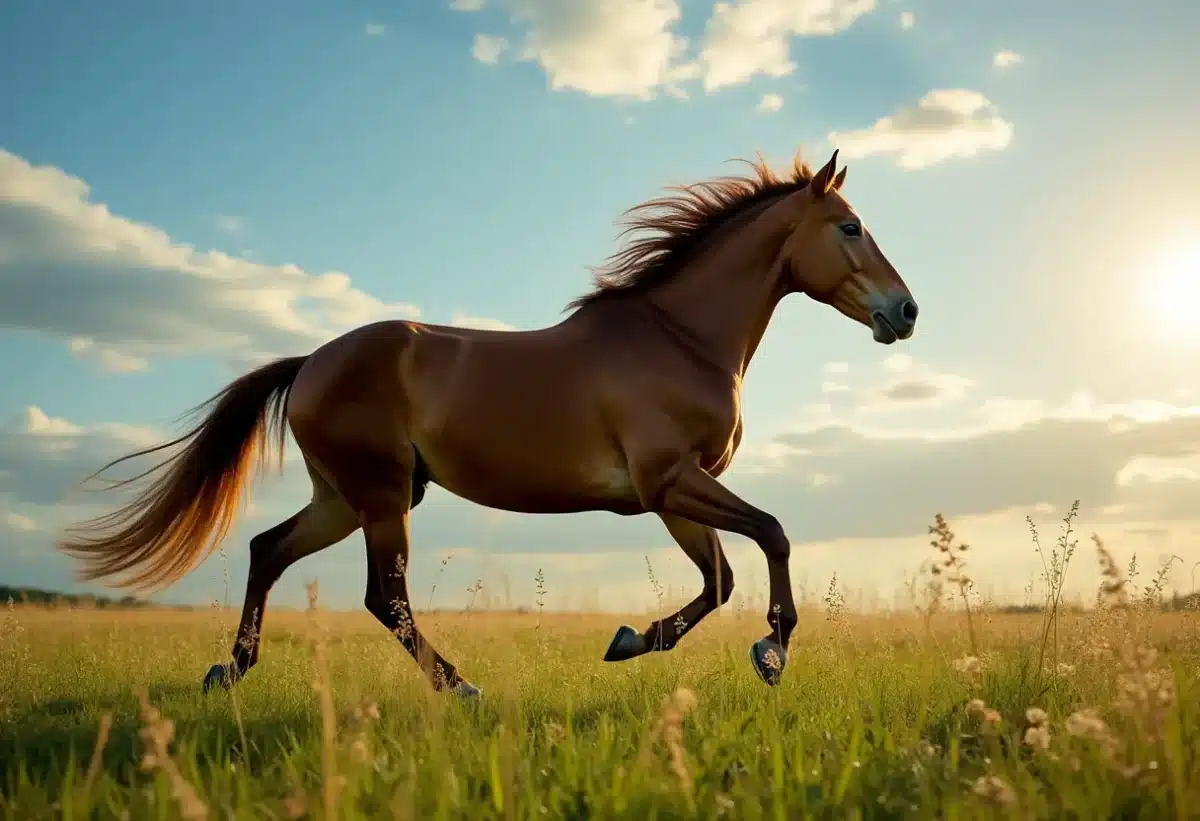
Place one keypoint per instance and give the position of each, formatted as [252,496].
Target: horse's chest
[715,427]
[718,452]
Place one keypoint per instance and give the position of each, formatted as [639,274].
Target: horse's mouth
[883,330]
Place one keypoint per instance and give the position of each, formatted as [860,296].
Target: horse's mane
[674,226]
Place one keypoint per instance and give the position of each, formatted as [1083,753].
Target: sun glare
[1175,288]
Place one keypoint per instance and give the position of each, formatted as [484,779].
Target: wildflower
[977,707]
[1038,737]
[1065,669]
[1146,691]
[968,665]
[685,701]
[555,733]
[670,731]
[995,790]
[1086,724]
[1036,716]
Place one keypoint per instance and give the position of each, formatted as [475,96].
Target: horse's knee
[772,538]
[265,544]
[267,561]
[719,588]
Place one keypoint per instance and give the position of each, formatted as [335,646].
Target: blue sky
[469,165]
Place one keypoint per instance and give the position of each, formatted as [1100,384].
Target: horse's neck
[725,298]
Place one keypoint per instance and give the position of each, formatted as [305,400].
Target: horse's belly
[530,473]
[519,489]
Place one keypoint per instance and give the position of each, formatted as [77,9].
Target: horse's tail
[194,494]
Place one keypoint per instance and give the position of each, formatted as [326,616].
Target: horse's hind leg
[703,546]
[387,599]
[379,478]
[324,522]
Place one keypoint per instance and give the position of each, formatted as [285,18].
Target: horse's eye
[851,229]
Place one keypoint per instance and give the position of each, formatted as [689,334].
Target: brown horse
[632,404]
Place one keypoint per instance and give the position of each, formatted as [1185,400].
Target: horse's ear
[822,181]
[840,179]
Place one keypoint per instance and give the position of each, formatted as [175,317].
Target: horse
[631,404]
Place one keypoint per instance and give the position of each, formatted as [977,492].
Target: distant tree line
[1176,603]
[54,598]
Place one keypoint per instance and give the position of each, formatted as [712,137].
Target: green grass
[872,721]
[921,715]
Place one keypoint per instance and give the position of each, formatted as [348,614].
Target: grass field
[936,713]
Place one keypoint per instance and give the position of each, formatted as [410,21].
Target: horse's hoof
[219,675]
[466,690]
[769,659]
[626,644]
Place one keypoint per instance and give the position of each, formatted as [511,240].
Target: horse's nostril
[908,311]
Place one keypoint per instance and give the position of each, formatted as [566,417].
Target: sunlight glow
[1174,288]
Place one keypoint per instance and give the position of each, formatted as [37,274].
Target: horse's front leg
[703,547]
[686,490]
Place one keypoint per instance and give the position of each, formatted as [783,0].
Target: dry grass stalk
[668,730]
[321,683]
[1145,693]
[157,733]
[93,770]
[366,715]
[952,567]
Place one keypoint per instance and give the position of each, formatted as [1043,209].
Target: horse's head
[830,255]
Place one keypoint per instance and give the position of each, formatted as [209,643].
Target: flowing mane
[673,226]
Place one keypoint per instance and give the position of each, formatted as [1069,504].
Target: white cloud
[109,360]
[946,123]
[746,38]
[770,102]
[630,48]
[375,29]
[930,388]
[487,48]
[42,457]
[468,5]
[620,48]
[1006,59]
[1185,467]
[907,20]
[19,523]
[836,367]
[481,322]
[898,363]
[38,423]
[1142,455]
[834,387]
[125,292]
[914,384]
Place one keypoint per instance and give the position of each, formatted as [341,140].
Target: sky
[188,189]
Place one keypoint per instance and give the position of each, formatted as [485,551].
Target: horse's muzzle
[894,319]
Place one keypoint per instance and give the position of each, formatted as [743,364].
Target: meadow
[953,710]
